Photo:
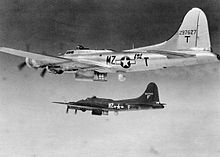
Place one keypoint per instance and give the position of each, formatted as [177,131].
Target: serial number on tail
[187,32]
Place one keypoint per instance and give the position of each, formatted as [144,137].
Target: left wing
[35,56]
[90,64]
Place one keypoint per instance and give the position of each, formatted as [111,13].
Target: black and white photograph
[109,78]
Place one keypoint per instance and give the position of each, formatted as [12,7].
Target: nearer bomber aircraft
[101,106]
[190,45]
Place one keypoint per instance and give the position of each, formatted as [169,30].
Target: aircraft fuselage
[141,61]
[116,105]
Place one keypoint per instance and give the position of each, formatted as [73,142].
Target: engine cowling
[54,70]
[31,63]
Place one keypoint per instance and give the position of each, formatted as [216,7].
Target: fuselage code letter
[110,59]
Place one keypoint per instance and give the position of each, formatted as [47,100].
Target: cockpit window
[93,97]
[70,52]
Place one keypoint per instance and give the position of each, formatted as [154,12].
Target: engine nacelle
[54,70]
[99,112]
[31,63]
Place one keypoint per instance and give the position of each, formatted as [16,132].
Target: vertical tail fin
[150,94]
[193,33]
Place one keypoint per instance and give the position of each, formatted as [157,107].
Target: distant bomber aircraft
[101,106]
[190,45]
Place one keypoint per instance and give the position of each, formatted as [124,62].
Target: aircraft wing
[80,107]
[54,59]
[90,62]
[35,56]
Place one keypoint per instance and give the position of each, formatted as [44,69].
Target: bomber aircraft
[190,45]
[101,106]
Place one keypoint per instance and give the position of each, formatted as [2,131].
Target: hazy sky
[30,125]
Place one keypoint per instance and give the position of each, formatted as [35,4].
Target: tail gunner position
[101,106]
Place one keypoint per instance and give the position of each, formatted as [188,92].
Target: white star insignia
[125,62]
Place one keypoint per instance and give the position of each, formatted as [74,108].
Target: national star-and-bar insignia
[125,62]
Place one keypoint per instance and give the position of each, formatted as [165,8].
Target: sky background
[31,126]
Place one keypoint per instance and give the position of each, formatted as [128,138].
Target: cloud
[152,150]
[4,78]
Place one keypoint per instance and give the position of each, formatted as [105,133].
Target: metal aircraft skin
[190,45]
[101,106]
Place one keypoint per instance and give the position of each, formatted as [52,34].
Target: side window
[70,52]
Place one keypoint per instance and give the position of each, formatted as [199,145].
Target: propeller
[67,109]
[43,72]
[22,65]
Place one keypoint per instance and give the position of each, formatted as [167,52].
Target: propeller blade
[22,65]
[67,109]
[43,72]
[75,111]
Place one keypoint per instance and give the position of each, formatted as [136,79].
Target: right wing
[90,62]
